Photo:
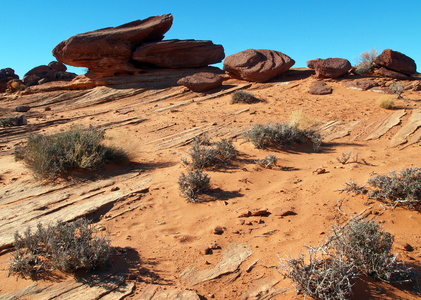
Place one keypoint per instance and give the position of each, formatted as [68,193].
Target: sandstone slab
[319,88]
[179,53]
[257,65]
[360,84]
[332,67]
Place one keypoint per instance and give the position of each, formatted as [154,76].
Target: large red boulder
[109,50]
[396,61]
[179,54]
[257,65]
[202,81]
[392,74]
[332,67]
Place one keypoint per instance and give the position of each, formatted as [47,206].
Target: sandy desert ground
[160,236]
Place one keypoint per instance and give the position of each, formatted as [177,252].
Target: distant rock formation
[257,65]
[42,74]
[202,81]
[6,75]
[133,47]
[396,61]
[330,67]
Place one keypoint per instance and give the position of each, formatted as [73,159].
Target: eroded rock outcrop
[319,88]
[396,61]
[6,75]
[176,54]
[42,74]
[257,65]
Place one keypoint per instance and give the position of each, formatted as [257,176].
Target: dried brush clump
[269,161]
[325,276]
[368,247]
[204,155]
[50,155]
[359,247]
[68,247]
[244,97]
[193,184]
[281,135]
[386,101]
[365,61]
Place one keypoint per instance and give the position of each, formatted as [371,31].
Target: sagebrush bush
[49,155]
[243,97]
[193,184]
[359,247]
[365,61]
[203,155]
[68,247]
[397,88]
[326,276]
[281,135]
[386,101]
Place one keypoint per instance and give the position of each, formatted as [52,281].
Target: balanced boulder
[42,74]
[202,81]
[108,51]
[177,54]
[257,65]
[396,61]
[331,67]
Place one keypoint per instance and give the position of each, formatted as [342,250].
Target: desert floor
[159,234]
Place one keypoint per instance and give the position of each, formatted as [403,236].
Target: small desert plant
[49,155]
[397,88]
[351,186]
[368,247]
[326,276]
[403,187]
[386,101]
[303,121]
[68,247]
[225,150]
[203,155]
[243,97]
[280,135]
[269,161]
[365,61]
[193,184]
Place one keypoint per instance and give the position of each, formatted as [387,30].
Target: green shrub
[68,247]
[49,155]
[243,97]
[281,135]
[193,184]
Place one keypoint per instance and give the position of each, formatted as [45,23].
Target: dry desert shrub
[398,188]
[243,97]
[303,121]
[359,247]
[50,155]
[397,88]
[205,154]
[269,161]
[386,101]
[193,184]
[68,247]
[281,135]
[365,61]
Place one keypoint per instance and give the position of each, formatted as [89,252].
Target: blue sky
[302,29]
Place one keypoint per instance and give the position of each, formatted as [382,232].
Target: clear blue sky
[302,29]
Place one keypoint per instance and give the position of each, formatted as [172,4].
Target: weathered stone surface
[156,292]
[263,289]
[392,74]
[42,74]
[6,75]
[109,50]
[202,81]
[387,124]
[179,54]
[312,63]
[22,108]
[57,66]
[257,65]
[396,61]
[232,258]
[283,212]
[401,137]
[319,88]
[360,84]
[332,67]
